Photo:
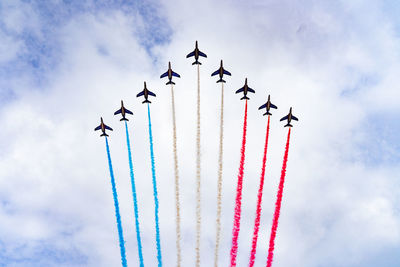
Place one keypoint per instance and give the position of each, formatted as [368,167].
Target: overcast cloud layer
[64,64]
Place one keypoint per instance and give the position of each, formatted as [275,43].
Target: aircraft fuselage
[289,117]
[221,72]
[169,74]
[245,89]
[123,111]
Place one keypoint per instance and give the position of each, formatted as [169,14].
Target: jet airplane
[146,92]
[268,106]
[123,112]
[169,74]
[289,118]
[196,53]
[103,128]
[245,89]
[221,71]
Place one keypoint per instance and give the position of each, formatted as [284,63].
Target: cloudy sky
[63,64]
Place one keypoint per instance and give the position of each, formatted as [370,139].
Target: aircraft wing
[202,54]
[263,106]
[250,90]
[273,106]
[164,75]
[240,90]
[140,94]
[215,73]
[151,93]
[97,128]
[284,118]
[128,111]
[108,128]
[118,111]
[176,74]
[190,54]
[227,72]
[294,118]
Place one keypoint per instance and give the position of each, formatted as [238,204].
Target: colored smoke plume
[116,205]
[219,189]
[238,205]
[259,200]
[155,194]
[198,173]
[278,205]
[177,203]
[135,204]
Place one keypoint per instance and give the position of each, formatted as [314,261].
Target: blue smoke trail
[153,171]
[115,196]
[135,205]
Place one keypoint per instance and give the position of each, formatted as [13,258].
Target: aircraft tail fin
[170,82]
[245,97]
[196,63]
[221,81]
[104,134]
[146,101]
[288,125]
[124,119]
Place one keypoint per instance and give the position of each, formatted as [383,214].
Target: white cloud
[54,181]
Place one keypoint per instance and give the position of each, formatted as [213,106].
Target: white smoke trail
[178,218]
[219,190]
[198,181]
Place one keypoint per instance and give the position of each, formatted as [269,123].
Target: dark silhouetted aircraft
[103,128]
[221,71]
[268,106]
[123,112]
[196,53]
[169,74]
[245,89]
[289,118]
[146,92]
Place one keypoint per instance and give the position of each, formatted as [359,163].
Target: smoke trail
[238,206]
[135,204]
[177,203]
[198,186]
[219,189]
[116,205]
[278,205]
[153,171]
[259,199]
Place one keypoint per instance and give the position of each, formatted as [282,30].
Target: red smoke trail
[259,199]
[236,224]
[278,205]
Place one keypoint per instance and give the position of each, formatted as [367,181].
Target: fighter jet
[221,71]
[289,118]
[146,92]
[268,106]
[196,53]
[245,89]
[123,112]
[103,128]
[169,74]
